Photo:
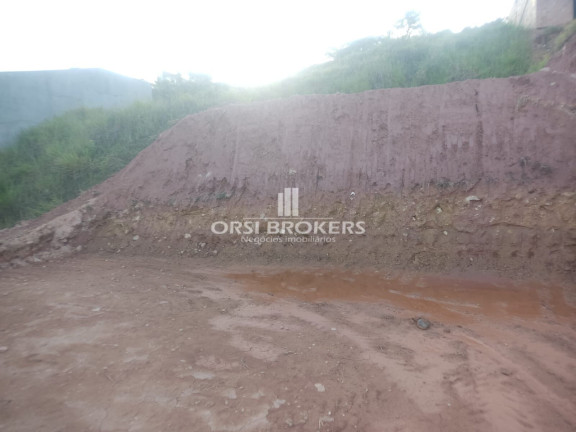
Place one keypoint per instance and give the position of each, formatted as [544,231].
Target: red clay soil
[159,324]
[148,344]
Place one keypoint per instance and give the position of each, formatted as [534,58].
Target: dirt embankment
[471,175]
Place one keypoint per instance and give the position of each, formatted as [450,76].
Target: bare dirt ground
[110,343]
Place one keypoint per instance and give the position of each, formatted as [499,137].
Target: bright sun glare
[244,43]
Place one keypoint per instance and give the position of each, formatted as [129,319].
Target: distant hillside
[29,98]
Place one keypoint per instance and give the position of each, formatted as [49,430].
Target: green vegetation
[494,50]
[568,31]
[57,160]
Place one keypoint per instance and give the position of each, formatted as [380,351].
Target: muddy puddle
[446,298]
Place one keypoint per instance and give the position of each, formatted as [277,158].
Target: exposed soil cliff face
[471,175]
[504,133]
[403,160]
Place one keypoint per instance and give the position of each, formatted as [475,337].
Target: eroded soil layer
[528,233]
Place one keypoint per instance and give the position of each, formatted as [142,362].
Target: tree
[174,89]
[410,24]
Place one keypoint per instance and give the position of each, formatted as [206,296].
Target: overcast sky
[243,42]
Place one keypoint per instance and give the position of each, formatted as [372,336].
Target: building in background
[543,13]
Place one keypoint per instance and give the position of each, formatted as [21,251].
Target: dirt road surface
[107,343]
